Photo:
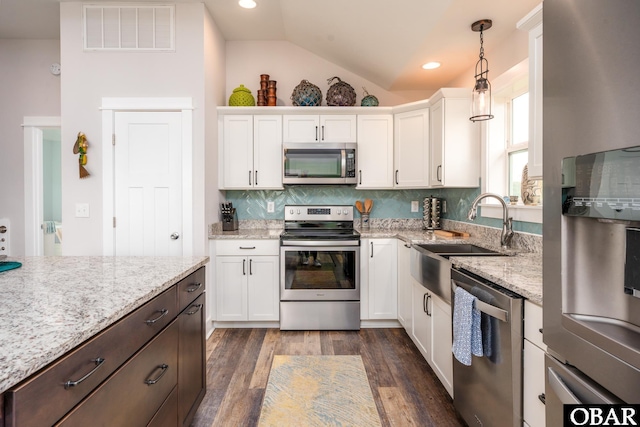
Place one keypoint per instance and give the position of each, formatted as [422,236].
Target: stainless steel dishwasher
[489,392]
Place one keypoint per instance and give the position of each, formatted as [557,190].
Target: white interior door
[148,183]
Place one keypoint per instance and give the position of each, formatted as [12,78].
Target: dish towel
[467,334]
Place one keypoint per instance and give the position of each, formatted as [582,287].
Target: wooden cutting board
[450,233]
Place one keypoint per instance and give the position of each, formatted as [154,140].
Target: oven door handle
[320,243]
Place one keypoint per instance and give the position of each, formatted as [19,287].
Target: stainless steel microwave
[321,163]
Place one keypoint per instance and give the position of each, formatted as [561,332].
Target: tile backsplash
[252,204]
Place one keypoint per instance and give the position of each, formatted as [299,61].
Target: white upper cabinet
[533,24]
[375,151]
[251,155]
[455,140]
[411,149]
[319,128]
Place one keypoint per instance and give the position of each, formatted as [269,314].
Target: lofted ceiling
[384,41]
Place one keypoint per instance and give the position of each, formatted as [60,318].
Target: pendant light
[481,95]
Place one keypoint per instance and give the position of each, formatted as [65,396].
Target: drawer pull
[247,247]
[164,368]
[163,313]
[99,362]
[194,287]
[197,306]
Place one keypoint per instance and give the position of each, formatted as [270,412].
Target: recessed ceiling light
[431,65]
[247,4]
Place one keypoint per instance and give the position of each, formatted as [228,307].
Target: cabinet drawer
[128,398]
[533,324]
[248,247]
[42,399]
[190,287]
[533,409]
[167,415]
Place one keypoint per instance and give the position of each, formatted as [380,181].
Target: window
[517,132]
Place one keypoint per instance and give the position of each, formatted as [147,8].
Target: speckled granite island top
[52,304]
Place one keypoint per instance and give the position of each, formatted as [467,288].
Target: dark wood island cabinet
[147,369]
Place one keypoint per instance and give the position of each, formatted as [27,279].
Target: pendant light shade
[481,96]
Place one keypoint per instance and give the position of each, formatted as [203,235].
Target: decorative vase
[531,189]
[340,94]
[241,97]
[306,95]
[369,100]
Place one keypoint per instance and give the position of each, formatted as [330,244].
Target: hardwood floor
[405,389]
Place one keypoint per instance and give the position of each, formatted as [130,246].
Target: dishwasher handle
[489,309]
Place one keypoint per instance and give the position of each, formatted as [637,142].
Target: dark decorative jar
[306,95]
[340,94]
[369,100]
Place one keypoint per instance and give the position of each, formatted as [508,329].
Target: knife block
[230,221]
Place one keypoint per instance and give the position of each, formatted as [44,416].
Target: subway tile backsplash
[388,204]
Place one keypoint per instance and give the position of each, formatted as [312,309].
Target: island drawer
[43,398]
[133,395]
[190,287]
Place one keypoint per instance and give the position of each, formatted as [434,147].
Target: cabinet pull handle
[540,330]
[438,172]
[424,302]
[397,183]
[251,267]
[194,287]
[163,313]
[316,133]
[323,132]
[247,247]
[99,362]
[427,307]
[197,306]
[360,177]
[244,267]
[164,368]
[542,398]
[256,177]
[371,249]
[249,177]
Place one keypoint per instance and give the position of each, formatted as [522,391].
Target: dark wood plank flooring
[405,389]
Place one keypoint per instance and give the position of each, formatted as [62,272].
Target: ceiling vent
[129,28]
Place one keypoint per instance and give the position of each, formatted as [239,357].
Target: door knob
[175,236]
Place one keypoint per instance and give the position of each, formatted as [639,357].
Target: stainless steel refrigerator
[591,229]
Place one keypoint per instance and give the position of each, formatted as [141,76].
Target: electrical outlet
[82,210]
[414,206]
[271,207]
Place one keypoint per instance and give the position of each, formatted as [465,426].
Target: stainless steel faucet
[507,231]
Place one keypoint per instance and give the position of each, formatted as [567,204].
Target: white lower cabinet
[247,286]
[533,408]
[432,333]
[405,283]
[379,283]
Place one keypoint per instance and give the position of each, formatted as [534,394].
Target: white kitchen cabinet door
[441,342]
[319,128]
[421,303]
[454,141]
[383,279]
[231,288]
[267,152]
[375,151]
[411,149]
[237,158]
[263,288]
[338,128]
[533,386]
[404,286]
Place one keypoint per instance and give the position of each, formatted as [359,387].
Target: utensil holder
[365,224]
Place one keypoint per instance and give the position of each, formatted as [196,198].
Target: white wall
[288,64]
[27,88]
[90,76]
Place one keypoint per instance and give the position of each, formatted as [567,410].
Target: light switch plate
[271,207]
[82,210]
[414,206]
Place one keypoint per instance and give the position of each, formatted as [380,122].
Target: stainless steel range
[319,269]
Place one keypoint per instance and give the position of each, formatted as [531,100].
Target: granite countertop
[520,271]
[53,304]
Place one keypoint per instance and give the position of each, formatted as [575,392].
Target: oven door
[312,271]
